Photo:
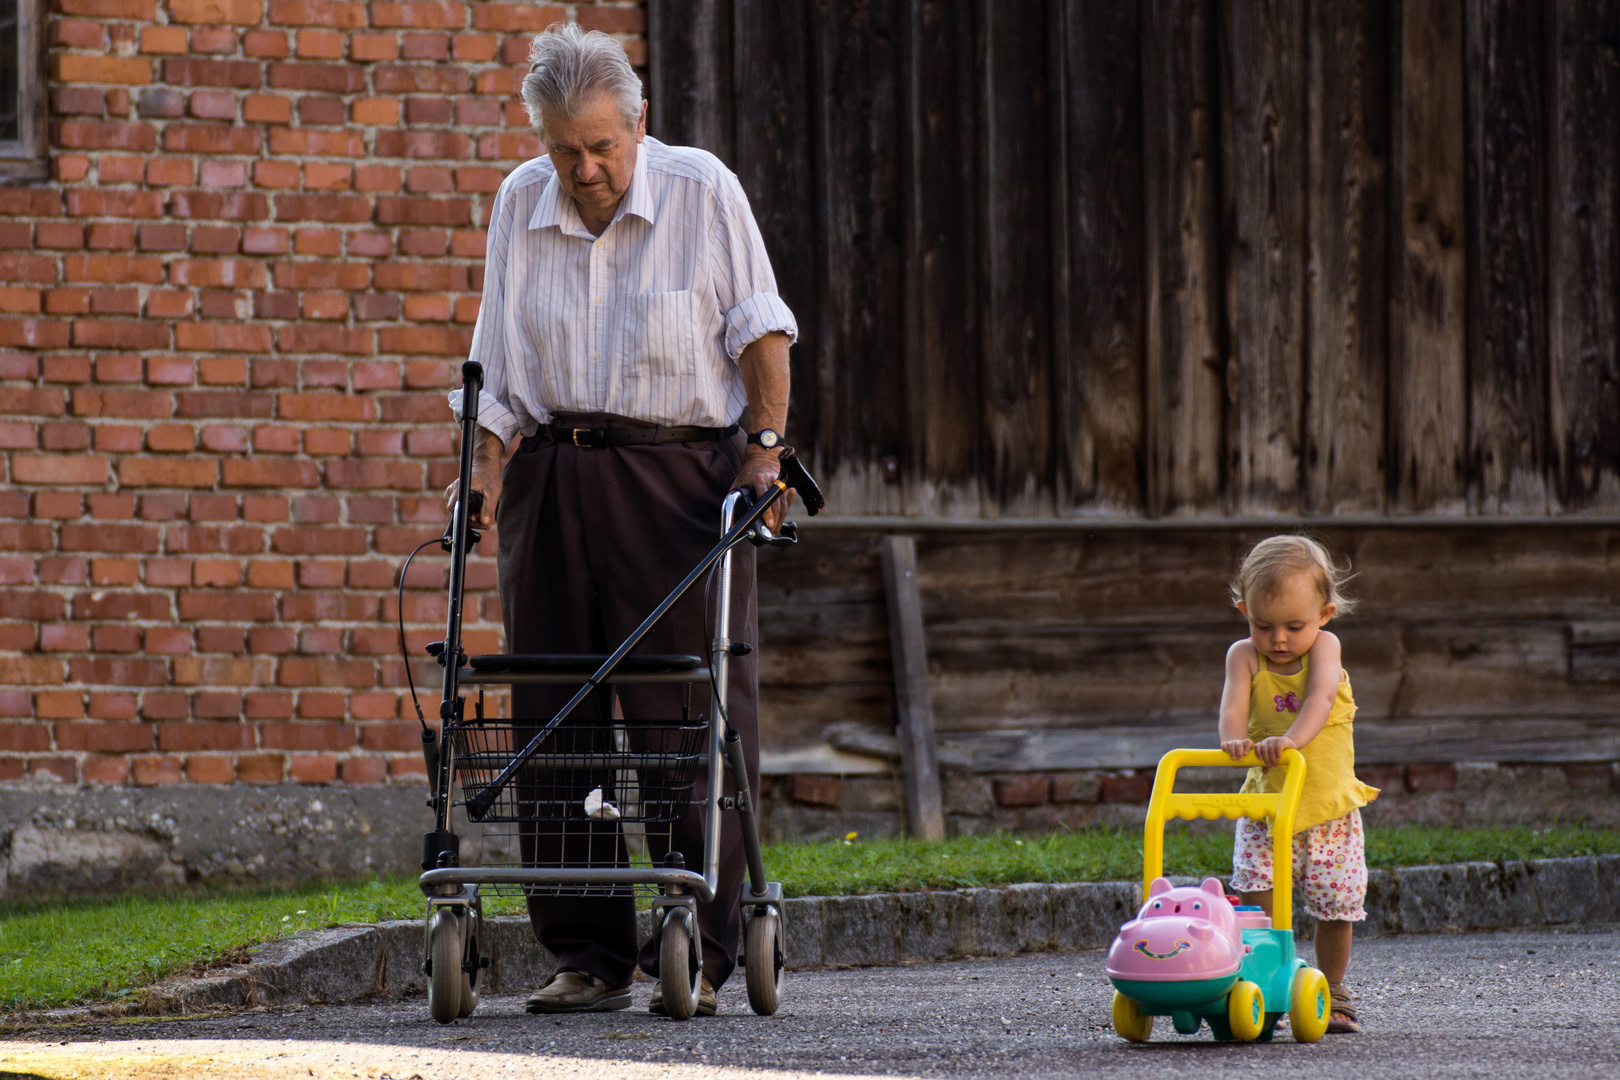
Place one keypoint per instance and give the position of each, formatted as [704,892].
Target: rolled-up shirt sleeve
[744,283]
[489,342]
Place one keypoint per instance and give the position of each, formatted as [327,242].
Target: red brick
[210,769]
[613,20]
[173,40]
[59,705]
[106,770]
[1133,788]
[80,68]
[28,737]
[306,735]
[307,142]
[260,768]
[104,738]
[333,78]
[211,139]
[371,47]
[321,705]
[322,275]
[204,736]
[54,469]
[478,48]
[816,790]
[106,135]
[148,771]
[223,337]
[215,12]
[212,104]
[57,504]
[313,769]
[1027,790]
[320,45]
[340,14]
[170,172]
[376,111]
[191,71]
[365,770]
[1427,777]
[422,79]
[516,18]
[353,209]
[64,769]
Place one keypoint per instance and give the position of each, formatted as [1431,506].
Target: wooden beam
[913,704]
[1428,406]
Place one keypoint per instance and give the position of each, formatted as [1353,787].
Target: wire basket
[594,795]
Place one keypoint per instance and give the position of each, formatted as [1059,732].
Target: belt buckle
[574,434]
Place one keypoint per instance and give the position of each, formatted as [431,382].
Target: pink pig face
[1180,933]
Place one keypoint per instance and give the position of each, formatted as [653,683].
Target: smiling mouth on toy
[1181,947]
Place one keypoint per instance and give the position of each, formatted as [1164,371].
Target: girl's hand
[1237,748]
[1270,750]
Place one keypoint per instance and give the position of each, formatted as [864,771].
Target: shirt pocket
[659,336]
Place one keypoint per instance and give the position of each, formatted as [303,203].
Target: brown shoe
[575,991]
[1342,1017]
[706,998]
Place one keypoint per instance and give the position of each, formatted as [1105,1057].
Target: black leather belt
[598,438]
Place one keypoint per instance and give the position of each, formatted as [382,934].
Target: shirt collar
[556,207]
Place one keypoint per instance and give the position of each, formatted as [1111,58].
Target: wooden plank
[1427,374]
[1500,739]
[1346,251]
[1097,378]
[1185,381]
[913,704]
[943,455]
[1016,255]
[1584,264]
[776,164]
[689,101]
[1507,249]
[857,123]
[1263,165]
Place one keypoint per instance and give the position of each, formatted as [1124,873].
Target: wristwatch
[766,438]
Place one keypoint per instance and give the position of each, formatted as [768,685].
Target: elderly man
[631,333]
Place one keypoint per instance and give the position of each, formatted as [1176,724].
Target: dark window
[22,91]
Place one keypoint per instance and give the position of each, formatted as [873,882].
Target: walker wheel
[1245,1011]
[1308,1016]
[471,927]
[678,975]
[1129,1021]
[763,960]
[445,977]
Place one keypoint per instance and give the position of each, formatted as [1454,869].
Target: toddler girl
[1285,689]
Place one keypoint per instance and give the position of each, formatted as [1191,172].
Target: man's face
[594,152]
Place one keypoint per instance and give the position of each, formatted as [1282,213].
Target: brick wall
[227,324]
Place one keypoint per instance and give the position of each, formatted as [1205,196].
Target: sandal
[1342,1017]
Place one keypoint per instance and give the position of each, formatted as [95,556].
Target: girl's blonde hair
[1272,561]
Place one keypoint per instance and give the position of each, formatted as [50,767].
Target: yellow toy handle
[1280,808]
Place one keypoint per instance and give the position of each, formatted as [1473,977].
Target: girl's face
[1283,624]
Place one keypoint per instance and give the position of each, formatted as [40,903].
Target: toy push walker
[1192,954]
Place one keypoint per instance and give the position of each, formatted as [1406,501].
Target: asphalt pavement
[1539,1005]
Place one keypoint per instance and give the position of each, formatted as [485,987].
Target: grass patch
[85,950]
[904,865]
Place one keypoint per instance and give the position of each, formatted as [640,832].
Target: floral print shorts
[1330,865]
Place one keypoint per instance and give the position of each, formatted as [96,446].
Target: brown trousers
[590,542]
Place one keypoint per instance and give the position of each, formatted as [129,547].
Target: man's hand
[1237,749]
[1270,750]
[759,472]
[486,477]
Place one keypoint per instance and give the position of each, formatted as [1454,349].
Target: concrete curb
[359,963]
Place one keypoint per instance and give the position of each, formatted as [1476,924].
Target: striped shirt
[645,321]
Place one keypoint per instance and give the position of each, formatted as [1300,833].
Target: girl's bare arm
[1234,721]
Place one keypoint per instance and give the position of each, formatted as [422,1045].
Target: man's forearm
[488,450]
[767,381]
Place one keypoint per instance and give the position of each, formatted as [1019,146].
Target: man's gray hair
[569,67]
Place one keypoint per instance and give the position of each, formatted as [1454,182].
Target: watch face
[768,439]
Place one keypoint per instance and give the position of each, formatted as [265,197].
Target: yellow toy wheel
[1130,1021]
[1245,1011]
[1308,1015]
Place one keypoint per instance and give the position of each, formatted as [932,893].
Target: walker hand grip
[797,477]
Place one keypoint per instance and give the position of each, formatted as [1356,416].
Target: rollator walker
[602,795]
